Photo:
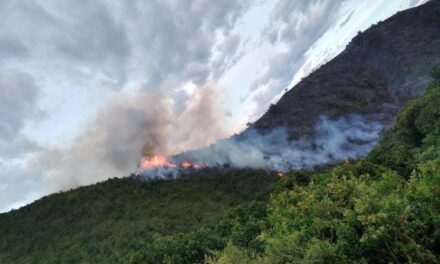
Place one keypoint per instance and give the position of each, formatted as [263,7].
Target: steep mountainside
[380,70]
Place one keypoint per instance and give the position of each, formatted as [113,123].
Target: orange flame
[280,174]
[155,161]
[186,164]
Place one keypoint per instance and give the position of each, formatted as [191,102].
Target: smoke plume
[334,140]
[152,122]
[188,129]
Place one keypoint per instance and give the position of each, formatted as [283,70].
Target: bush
[178,249]
[233,255]
[416,136]
[346,219]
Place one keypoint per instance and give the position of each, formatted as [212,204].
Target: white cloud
[18,103]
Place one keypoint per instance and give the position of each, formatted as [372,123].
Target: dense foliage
[415,138]
[104,222]
[384,208]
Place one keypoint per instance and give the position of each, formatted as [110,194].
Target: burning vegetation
[158,165]
[148,163]
[335,141]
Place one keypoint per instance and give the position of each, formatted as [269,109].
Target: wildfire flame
[155,161]
[280,174]
[186,164]
[158,161]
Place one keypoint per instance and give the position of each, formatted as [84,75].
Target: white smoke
[335,140]
[152,123]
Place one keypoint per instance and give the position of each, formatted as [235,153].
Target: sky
[85,87]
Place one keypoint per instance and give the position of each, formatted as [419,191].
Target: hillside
[384,208]
[378,72]
[103,222]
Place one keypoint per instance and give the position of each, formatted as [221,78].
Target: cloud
[413,3]
[65,34]
[231,46]
[347,19]
[19,185]
[18,103]
[159,41]
[175,40]
[12,49]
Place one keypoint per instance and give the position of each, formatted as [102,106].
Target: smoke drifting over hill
[335,140]
[131,128]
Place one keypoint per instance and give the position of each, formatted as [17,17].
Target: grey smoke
[335,140]
[130,128]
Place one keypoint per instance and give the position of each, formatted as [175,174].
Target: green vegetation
[104,222]
[415,138]
[384,208]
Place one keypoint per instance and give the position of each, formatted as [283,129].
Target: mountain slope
[380,70]
[103,222]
